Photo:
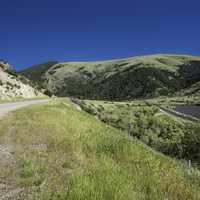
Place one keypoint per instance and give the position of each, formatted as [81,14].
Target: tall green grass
[60,153]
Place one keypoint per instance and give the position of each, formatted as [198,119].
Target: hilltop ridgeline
[125,79]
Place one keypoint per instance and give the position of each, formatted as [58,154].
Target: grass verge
[57,152]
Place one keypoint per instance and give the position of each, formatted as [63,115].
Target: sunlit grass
[62,153]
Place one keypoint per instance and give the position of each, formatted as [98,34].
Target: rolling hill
[137,77]
[36,72]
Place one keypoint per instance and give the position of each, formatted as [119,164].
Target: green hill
[56,152]
[137,77]
[36,72]
[191,90]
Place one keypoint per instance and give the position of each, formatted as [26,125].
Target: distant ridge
[120,79]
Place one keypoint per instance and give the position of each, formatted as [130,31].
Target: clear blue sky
[35,31]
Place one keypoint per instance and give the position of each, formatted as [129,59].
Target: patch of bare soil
[5,153]
[11,193]
[7,191]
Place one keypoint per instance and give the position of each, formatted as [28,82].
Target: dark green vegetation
[61,153]
[139,77]
[36,73]
[146,121]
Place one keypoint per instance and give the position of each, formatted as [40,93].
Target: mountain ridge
[120,79]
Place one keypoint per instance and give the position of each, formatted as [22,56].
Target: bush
[191,143]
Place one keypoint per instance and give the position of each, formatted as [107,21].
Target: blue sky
[35,31]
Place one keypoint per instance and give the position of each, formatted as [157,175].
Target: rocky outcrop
[11,86]
[5,66]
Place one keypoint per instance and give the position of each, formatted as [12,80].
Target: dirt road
[7,107]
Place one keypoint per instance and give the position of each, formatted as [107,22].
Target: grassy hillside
[191,90]
[143,119]
[138,77]
[36,72]
[56,152]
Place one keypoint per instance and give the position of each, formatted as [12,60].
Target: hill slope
[13,86]
[36,72]
[147,76]
[55,152]
[146,120]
